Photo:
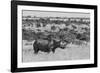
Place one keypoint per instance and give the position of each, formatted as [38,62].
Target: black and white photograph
[50,36]
[55,36]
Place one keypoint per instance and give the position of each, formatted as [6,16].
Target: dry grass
[71,52]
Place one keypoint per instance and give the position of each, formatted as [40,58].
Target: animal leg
[53,50]
[36,51]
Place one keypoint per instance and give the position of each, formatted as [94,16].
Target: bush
[28,35]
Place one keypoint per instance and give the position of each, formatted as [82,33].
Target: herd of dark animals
[49,44]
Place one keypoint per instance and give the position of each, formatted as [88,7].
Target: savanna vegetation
[71,30]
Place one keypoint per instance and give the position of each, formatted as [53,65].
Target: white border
[53,63]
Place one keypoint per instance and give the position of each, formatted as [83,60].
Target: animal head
[63,44]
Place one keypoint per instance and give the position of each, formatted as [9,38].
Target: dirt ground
[71,52]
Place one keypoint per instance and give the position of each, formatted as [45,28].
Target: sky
[54,14]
